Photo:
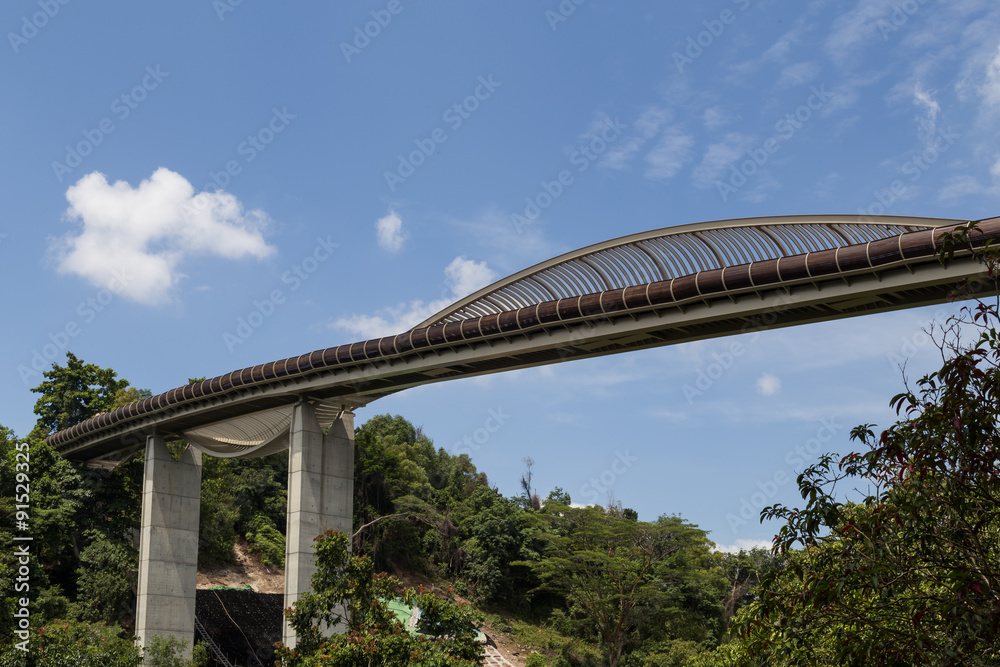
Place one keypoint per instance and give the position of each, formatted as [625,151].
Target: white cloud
[742,544]
[715,117]
[719,156]
[778,52]
[856,26]
[798,74]
[927,119]
[567,418]
[462,277]
[669,155]
[465,276]
[136,238]
[646,126]
[959,187]
[389,232]
[674,416]
[990,90]
[768,384]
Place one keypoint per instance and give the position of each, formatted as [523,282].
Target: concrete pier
[320,494]
[168,544]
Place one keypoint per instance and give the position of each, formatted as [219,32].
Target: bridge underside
[642,291]
[254,421]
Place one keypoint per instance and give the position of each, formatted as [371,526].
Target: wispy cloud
[139,236]
[719,156]
[715,117]
[645,127]
[926,119]
[990,88]
[508,247]
[672,150]
[852,29]
[798,74]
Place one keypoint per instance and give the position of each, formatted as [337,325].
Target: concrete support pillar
[320,495]
[168,544]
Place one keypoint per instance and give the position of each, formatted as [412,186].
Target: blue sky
[333,172]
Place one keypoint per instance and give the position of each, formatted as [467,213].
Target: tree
[908,572]
[350,596]
[744,571]
[410,500]
[498,544]
[73,393]
[106,579]
[606,566]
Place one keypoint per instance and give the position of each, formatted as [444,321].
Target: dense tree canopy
[75,392]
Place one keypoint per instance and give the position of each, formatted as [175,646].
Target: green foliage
[73,393]
[63,643]
[127,395]
[614,572]
[670,653]
[243,497]
[166,651]
[219,514]
[76,644]
[266,539]
[744,571]
[906,573]
[347,593]
[410,499]
[498,544]
[106,578]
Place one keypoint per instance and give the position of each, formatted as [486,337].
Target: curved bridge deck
[656,288]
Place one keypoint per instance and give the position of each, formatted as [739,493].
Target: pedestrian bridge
[645,290]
